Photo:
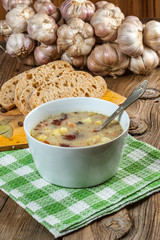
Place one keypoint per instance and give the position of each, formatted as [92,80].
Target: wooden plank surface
[139,221]
[157,8]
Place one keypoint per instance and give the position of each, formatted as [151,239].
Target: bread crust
[7,93]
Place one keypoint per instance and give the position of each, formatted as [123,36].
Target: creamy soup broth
[75,129]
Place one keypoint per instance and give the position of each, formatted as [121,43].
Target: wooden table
[140,221]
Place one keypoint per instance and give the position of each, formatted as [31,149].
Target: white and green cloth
[62,210]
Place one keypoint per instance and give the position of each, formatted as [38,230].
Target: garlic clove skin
[158,53]
[79,62]
[45,6]
[19,45]
[82,9]
[100,4]
[76,38]
[122,63]
[145,63]
[17,18]
[10,4]
[29,60]
[106,21]
[101,59]
[107,59]
[56,15]
[152,35]
[45,53]
[42,28]
[130,36]
[5,30]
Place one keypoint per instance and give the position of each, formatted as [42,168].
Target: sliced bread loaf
[36,79]
[75,83]
[7,93]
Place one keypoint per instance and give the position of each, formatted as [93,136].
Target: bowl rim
[75,148]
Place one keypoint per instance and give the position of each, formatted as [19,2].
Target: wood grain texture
[141,220]
[157,8]
[146,218]
[16,224]
[113,227]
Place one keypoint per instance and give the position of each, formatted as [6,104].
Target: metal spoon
[137,92]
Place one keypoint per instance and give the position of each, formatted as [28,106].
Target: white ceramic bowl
[79,166]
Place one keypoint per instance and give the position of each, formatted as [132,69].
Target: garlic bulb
[106,21]
[100,4]
[17,18]
[145,63]
[9,4]
[130,37]
[42,28]
[29,60]
[45,6]
[82,9]
[19,45]
[107,59]
[152,35]
[45,53]
[76,38]
[79,62]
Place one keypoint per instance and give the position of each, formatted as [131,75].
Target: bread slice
[50,91]
[76,83]
[24,106]
[8,91]
[100,86]
[30,77]
[36,79]
[95,87]
[81,74]
[59,64]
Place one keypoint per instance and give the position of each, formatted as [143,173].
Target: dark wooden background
[139,8]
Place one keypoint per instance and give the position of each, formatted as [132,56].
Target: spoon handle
[137,92]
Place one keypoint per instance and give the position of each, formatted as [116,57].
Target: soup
[75,129]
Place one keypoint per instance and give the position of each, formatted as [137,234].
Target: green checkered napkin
[62,210]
